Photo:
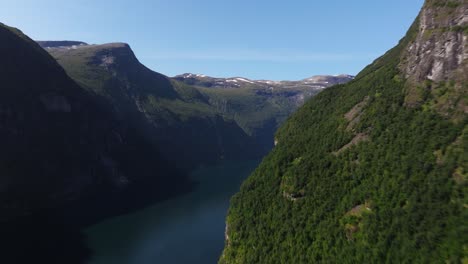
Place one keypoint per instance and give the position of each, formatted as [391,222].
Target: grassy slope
[405,174]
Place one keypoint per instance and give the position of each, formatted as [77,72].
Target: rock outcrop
[440,49]
[435,62]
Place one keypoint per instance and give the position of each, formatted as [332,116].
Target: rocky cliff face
[439,54]
[440,49]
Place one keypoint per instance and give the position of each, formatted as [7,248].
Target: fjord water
[186,229]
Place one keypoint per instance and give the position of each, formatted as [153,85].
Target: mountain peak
[69,44]
[106,55]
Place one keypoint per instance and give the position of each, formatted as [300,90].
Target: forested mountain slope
[59,144]
[372,171]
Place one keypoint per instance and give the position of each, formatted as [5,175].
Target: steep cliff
[435,62]
[371,171]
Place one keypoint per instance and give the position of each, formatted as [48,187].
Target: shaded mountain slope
[59,145]
[371,171]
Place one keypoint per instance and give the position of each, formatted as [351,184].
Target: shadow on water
[39,240]
[56,236]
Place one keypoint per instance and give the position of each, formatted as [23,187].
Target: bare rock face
[435,61]
[440,49]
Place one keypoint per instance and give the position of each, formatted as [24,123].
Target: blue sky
[258,39]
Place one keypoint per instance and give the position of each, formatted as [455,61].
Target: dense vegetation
[358,177]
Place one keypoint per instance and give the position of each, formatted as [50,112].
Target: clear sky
[258,39]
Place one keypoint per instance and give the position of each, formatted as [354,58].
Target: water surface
[186,229]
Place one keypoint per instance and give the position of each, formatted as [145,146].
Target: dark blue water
[187,229]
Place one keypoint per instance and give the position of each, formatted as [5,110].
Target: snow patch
[267,82]
[244,80]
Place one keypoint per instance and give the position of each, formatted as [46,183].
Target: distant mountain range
[318,82]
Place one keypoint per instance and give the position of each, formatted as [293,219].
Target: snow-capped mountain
[313,83]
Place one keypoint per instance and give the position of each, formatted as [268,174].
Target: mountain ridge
[321,81]
[315,82]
